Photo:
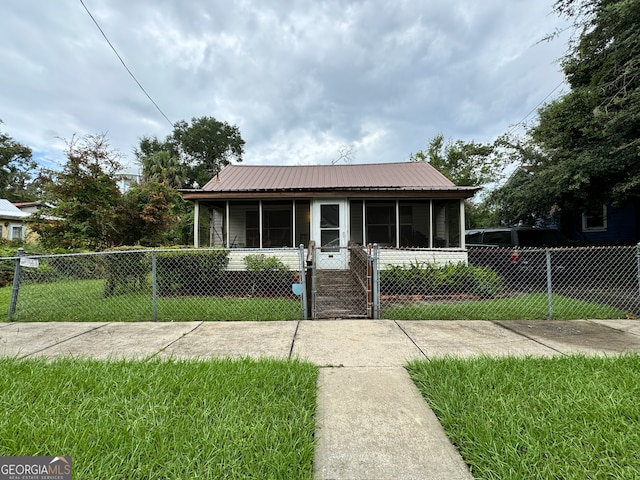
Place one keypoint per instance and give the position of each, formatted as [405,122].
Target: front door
[330,233]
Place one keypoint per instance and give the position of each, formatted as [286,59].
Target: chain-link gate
[338,292]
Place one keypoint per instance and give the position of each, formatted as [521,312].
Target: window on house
[414,224]
[381,223]
[276,225]
[16,232]
[252,229]
[595,220]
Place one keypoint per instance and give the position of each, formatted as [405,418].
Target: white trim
[596,228]
[196,223]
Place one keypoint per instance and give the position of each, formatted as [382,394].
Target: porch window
[414,224]
[276,225]
[381,223]
[446,224]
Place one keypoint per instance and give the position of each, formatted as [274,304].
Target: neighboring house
[398,205]
[12,221]
[604,225]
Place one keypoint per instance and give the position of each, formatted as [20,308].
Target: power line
[125,65]
[535,108]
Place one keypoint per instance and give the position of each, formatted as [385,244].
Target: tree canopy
[464,163]
[585,148]
[202,148]
[16,168]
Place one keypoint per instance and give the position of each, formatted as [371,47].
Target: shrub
[269,274]
[191,273]
[429,279]
[126,269]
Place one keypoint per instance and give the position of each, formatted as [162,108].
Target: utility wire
[521,122]
[125,65]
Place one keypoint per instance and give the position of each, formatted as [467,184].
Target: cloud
[301,79]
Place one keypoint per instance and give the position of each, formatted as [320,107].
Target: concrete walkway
[372,422]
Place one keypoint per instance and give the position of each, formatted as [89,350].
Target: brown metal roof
[405,177]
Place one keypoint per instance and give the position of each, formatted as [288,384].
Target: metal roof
[402,177]
[9,210]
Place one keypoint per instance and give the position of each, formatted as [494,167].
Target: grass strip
[162,419]
[84,300]
[528,307]
[564,417]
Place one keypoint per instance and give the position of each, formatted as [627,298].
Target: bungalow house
[397,205]
[12,221]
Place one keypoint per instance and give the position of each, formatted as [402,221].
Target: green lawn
[528,307]
[84,300]
[565,417]
[162,419]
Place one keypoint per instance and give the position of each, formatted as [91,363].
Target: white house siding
[290,257]
[237,230]
[440,256]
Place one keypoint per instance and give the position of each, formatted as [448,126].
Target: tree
[16,169]
[465,164]
[202,148]
[147,215]
[163,167]
[588,147]
[86,197]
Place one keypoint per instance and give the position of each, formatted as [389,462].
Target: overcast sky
[303,80]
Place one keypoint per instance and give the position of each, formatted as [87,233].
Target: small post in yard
[638,260]
[303,284]
[154,284]
[376,281]
[16,285]
[549,285]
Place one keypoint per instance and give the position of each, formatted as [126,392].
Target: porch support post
[293,223]
[462,223]
[196,223]
[397,223]
[430,223]
[227,223]
[364,222]
[260,221]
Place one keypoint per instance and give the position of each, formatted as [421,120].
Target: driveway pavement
[372,422]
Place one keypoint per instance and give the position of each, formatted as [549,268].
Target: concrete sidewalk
[372,422]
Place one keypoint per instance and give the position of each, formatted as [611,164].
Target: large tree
[16,169]
[586,145]
[86,197]
[202,148]
[464,163]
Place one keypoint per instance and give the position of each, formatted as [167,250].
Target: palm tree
[162,167]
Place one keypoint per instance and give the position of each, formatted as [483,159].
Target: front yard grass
[162,419]
[565,417]
[84,300]
[527,307]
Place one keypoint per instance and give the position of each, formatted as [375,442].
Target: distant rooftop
[9,210]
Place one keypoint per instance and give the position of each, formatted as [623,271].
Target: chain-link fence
[163,285]
[510,283]
[355,282]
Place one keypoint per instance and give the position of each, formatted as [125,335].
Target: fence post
[16,285]
[154,284]
[638,261]
[303,284]
[376,281]
[549,286]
